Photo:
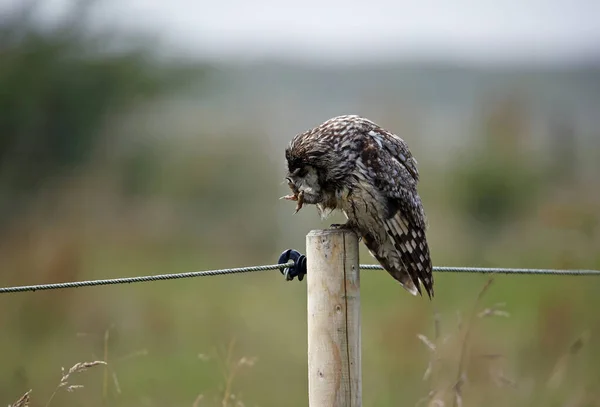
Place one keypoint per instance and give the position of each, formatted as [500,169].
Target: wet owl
[351,164]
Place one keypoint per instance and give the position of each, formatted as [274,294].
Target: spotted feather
[352,164]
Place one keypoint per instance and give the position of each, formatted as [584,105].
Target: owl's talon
[347,225]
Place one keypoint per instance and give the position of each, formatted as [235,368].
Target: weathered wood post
[333,281]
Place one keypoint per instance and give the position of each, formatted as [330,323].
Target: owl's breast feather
[363,204]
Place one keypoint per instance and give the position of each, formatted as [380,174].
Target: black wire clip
[298,269]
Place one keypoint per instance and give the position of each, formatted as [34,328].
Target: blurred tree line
[496,179]
[59,84]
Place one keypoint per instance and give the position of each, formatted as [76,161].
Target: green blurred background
[118,158]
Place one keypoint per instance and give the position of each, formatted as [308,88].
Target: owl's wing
[395,175]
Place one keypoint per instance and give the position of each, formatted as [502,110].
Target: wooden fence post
[333,284]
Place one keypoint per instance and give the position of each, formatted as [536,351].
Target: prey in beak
[297,196]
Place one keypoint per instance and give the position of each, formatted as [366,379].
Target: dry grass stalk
[232,371]
[500,379]
[198,400]
[229,369]
[461,376]
[445,391]
[116,382]
[23,401]
[105,377]
[76,368]
[494,311]
[560,368]
[110,368]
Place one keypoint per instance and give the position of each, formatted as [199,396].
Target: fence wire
[206,273]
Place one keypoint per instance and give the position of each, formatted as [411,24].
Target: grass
[227,363]
[64,383]
[155,333]
[462,368]
[151,335]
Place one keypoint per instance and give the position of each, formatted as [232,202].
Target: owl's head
[315,168]
[305,177]
[321,160]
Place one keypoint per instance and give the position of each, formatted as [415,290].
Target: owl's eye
[301,172]
[298,172]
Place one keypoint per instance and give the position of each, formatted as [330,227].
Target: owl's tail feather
[411,243]
[399,274]
[406,283]
[407,254]
[392,263]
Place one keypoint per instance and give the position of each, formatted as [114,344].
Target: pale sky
[476,30]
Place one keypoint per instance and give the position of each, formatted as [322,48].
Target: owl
[351,164]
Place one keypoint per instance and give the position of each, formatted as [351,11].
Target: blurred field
[122,164]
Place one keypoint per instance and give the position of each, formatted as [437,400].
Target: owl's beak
[291,185]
